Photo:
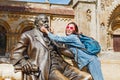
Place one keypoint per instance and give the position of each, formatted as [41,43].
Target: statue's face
[43,21]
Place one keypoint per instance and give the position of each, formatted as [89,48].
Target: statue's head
[41,20]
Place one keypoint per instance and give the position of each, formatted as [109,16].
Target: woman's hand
[51,30]
[43,29]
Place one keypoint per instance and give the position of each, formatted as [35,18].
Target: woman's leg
[95,69]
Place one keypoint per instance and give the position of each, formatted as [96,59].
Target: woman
[72,41]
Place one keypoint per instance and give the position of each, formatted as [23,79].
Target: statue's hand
[27,67]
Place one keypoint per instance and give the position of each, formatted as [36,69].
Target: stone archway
[23,26]
[116,38]
[5,25]
[4,30]
[113,29]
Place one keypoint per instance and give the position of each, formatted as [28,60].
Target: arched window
[2,41]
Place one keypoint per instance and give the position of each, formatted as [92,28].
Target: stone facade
[17,17]
[99,19]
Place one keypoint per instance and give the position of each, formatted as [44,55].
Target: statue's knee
[82,75]
[57,75]
[54,73]
[87,77]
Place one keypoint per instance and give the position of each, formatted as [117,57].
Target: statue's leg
[56,75]
[75,74]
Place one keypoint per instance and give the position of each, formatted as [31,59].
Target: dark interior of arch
[2,41]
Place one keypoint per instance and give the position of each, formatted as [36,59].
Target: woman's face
[70,29]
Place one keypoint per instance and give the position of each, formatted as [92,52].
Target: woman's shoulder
[73,35]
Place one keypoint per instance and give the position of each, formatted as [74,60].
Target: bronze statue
[39,57]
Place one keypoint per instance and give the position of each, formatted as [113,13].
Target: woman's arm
[63,39]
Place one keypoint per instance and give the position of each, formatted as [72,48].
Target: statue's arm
[19,55]
[62,49]
[66,52]
[19,49]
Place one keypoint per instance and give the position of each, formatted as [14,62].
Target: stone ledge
[110,61]
[7,72]
[111,56]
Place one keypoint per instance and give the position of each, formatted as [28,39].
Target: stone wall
[17,17]
[7,72]
[101,23]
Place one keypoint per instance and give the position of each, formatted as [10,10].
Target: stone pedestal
[7,72]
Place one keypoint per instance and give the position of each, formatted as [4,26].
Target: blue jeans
[95,69]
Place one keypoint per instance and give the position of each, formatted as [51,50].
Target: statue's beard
[46,25]
[40,25]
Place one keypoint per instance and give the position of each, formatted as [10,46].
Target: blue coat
[71,41]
